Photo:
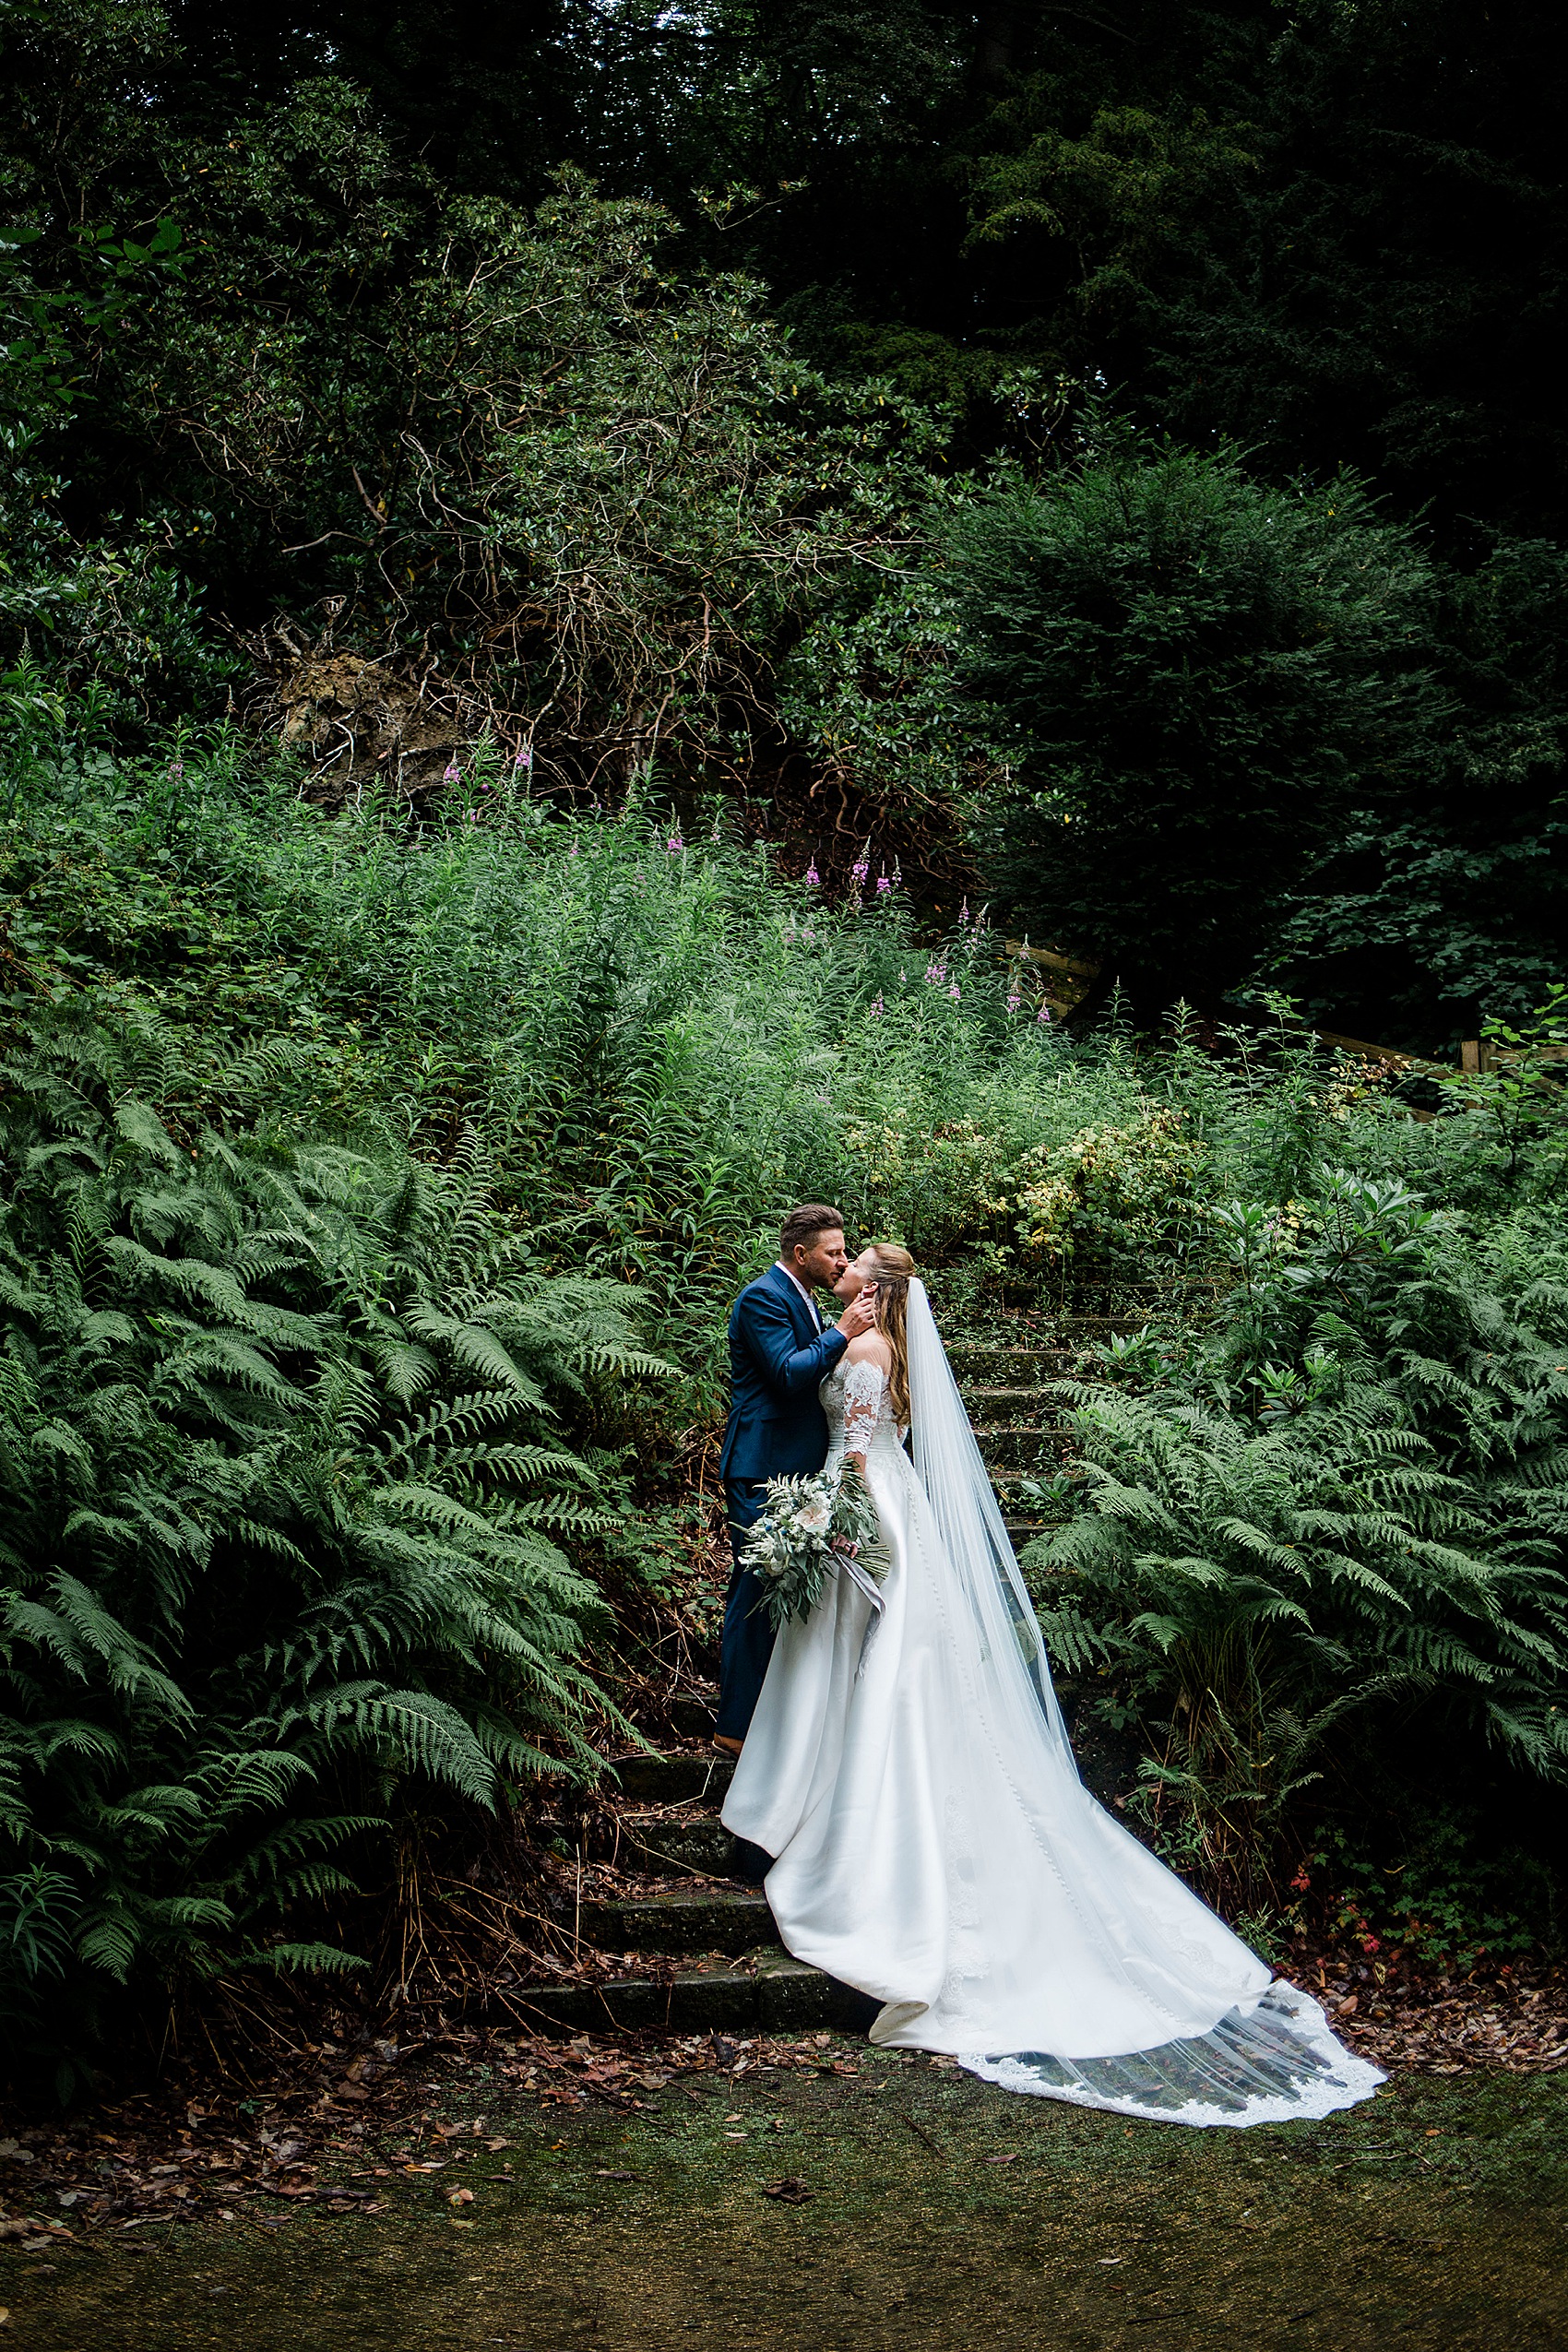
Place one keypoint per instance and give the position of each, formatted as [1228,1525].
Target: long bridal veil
[1144,2001]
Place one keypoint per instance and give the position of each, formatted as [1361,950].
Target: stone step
[693,1714]
[1046,1323]
[730,1920]
[772,1994]
[680,1843]
[1042,1374]
[1022,1448]
[1070,1335]
[1015,1351]
[1036,1365]
[673,1779]
[1038,1395]
[1006,1485]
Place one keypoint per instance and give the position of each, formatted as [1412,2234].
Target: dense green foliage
[1447,901]
[1260,730]
[309,1447]
[1340,1515]
[1117,460]
[319,336]
[658,1042]
[1327,233]
[281,1480]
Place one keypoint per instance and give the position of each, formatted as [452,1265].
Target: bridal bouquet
[811,1528]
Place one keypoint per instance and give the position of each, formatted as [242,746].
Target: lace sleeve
[863,1388]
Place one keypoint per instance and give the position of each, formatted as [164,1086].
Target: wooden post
[1471,1054]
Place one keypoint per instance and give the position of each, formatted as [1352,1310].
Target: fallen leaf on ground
[787,2193]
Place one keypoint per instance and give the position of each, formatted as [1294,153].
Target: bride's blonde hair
[895,1272]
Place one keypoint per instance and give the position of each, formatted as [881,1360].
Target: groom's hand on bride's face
[859,1315]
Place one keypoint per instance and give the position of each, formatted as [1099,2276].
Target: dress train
[935,1847]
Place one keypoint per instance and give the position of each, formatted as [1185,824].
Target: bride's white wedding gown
[935,1847]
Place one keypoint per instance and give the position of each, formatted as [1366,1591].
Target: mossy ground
[941,2212]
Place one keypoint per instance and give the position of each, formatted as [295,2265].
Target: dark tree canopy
[1317,248]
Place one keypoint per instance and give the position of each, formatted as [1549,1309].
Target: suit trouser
[748,1630]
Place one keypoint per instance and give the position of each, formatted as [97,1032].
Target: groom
[778,1354]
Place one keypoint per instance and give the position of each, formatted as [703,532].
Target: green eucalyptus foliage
[283,1490]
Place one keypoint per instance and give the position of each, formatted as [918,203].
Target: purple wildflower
[883,884]
[936,973]
[454,774]
[674,844]
[524,758]
[1013,1002]
[814,879]
[1043,1017]
[879,1009]
[954,992]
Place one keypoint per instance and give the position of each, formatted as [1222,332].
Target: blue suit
[776,1429]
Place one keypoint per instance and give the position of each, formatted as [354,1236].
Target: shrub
[1193,675]
[1126,1188]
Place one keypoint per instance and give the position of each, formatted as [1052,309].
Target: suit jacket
[778,1357]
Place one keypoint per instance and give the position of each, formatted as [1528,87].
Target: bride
[908,1769]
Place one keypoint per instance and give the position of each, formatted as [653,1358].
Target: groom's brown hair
[801,1223]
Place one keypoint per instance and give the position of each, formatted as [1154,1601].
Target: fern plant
[1342,1522]
[283,1490]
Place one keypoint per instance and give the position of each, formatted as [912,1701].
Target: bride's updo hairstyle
[895,1272]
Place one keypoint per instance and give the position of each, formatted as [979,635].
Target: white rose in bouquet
[811,1528]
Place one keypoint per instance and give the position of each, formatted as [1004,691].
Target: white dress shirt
[801,1289]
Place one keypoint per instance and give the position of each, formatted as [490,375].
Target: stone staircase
[1008,1383]
[691,1948]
